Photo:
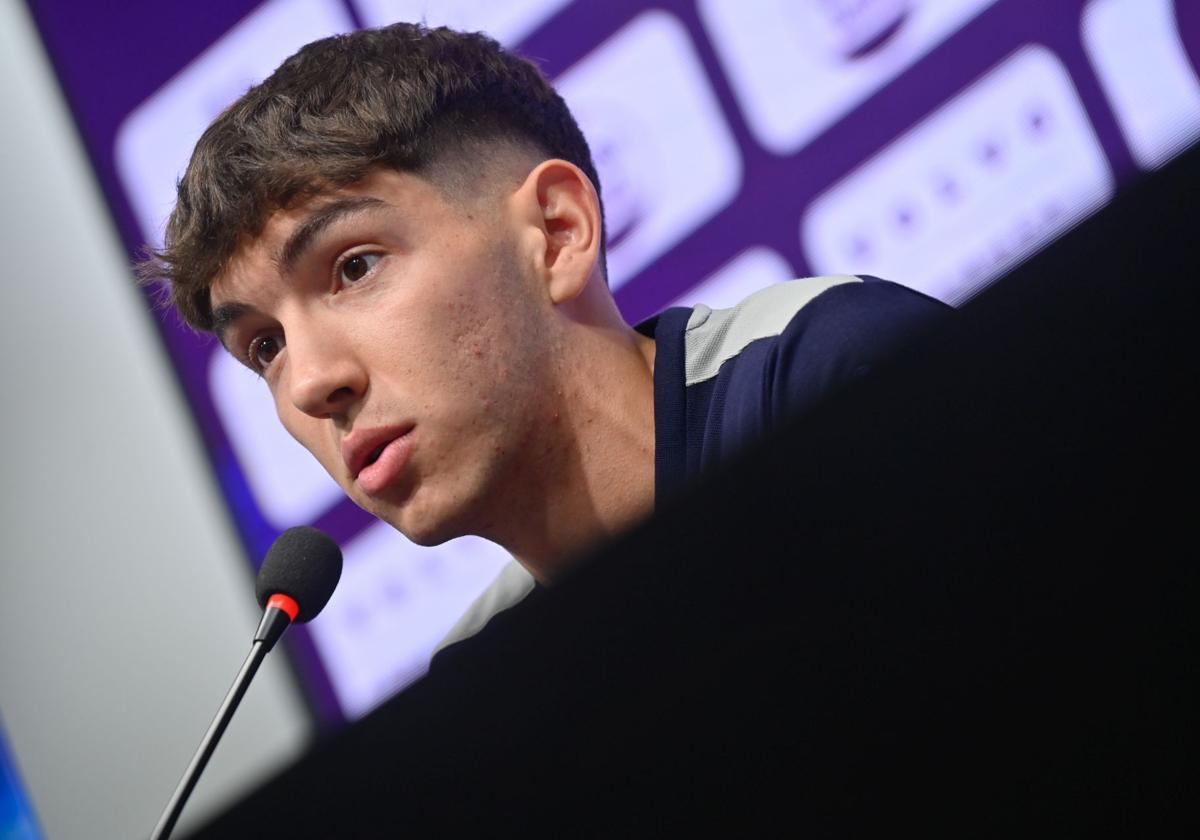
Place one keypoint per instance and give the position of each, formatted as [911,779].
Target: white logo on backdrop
[1136,49]
[798,66]
[1003,168]
[666,158]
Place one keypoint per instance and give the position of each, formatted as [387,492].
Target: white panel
[508,22]
[155,141]
[666,158]
[798,66]
[288,484]
[751,270]
[1135,47]
[394,603]
[1000,170]
[126,602]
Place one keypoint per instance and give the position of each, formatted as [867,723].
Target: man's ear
[567,214]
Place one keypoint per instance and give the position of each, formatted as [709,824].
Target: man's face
[407,343]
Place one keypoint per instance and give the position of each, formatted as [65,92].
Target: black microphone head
[304,564]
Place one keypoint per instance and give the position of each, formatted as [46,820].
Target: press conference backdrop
[933,142]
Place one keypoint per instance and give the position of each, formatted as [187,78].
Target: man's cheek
[309,433]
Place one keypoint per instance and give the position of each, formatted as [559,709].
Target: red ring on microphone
[285,603]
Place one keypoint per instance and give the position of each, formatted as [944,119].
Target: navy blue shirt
[723,378]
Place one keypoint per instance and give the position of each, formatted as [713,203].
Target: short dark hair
[404,97]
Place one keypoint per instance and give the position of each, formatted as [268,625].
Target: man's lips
[382,473]
[376,457]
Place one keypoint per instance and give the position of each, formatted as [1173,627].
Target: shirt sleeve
[841,336]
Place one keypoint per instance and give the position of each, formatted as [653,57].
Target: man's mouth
[375,458]
[375,453]
[363,448]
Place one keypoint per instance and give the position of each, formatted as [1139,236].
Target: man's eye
[263,351]
[357,267]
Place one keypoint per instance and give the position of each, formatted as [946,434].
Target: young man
[402,231]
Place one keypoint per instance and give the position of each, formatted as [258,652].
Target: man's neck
[592,474]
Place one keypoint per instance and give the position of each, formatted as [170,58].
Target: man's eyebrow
[307,231]
[225,316]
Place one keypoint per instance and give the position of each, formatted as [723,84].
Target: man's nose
[325,377]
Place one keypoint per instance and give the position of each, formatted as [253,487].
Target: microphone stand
[273,623]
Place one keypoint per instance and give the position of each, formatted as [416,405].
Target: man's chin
[427,530]
[427,539]
[413,515]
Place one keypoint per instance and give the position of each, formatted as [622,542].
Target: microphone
[294,583]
